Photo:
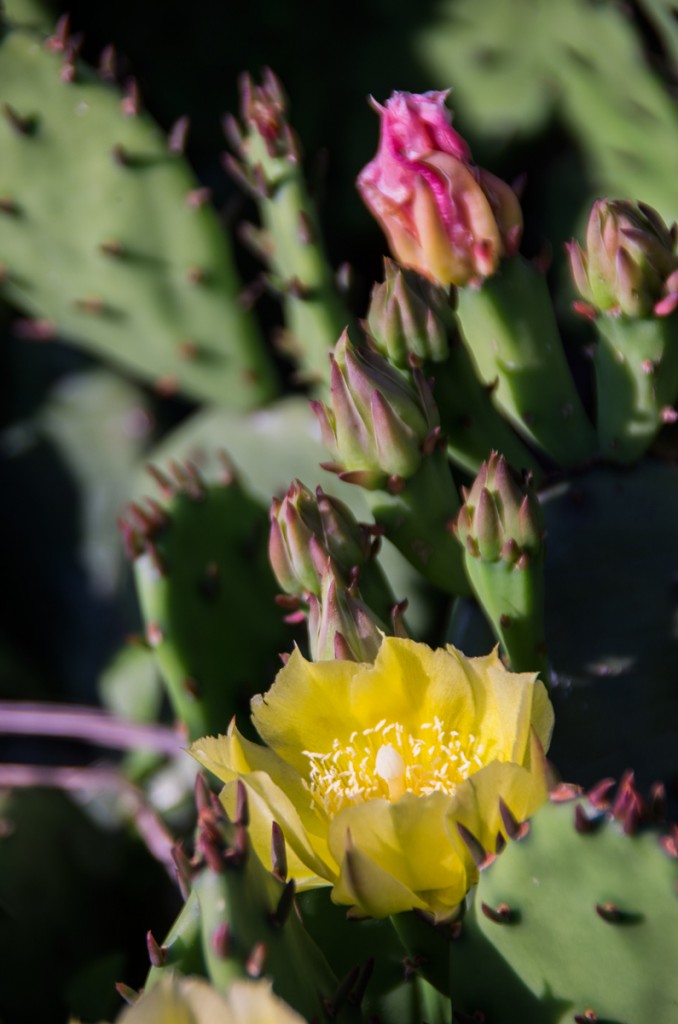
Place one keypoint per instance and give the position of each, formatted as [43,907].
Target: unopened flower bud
[500,519]
[376,424]
[306,530]
[409,316]
[442,215]
[630,265]
[340,625]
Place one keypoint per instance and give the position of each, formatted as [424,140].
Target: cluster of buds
[340,624]
[443,216]
[630,265]
[377,426]
[306,531]
[500,520]
[501,528]
[410,317]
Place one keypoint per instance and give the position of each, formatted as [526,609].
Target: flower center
[386,760]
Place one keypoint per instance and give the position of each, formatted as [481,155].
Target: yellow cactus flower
[176,1000]
[370,768]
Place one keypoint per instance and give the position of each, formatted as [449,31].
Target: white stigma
[390,766]
[386,760]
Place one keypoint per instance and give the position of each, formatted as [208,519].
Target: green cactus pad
[581,61]
[250,925]
[576,917]
[106,237]
[207,596]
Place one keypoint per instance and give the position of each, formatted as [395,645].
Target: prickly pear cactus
[106,236]
[206,593]
[577,919]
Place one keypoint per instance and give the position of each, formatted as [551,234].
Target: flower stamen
[390,762]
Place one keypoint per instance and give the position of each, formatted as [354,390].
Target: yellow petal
[304,708]
[176,1000]
[276,793]
[253,1002]
[364,883]
[413,840]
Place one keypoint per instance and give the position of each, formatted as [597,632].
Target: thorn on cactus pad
[587,1017]
[126,992]
[113,249]
[162,480]
[221,940]
[564,792]
[612,914]
[306,233]
[131,101]
[178,135]
[480,856]
[196,275]
[514,829]
[154,634]
[191,687]
[203,796]
[9,206]
[236,855]
[108,63]
[256,961]
[91,304]
[167,385]
[242,811]
[183,869]
[157,954]
[58,41]
[583,824]
[278,852]
[198,197]
[282,911]
[157,560]
[35,330]
[69,71]
[360,987]
[335,1003]
[501,914]
[121,156]
[598,795]
[21,124]
[669,842]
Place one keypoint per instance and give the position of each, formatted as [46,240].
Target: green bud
[500,526]
[340,625]
[630,263]
[410,316]
[500,520]
[377,425]
[306,530]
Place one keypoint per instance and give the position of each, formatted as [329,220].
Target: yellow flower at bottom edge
[178,1000]
[369,768]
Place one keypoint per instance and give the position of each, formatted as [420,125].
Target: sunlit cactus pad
[578,916]
[106,237]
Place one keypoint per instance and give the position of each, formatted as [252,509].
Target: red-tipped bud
[501,518]
[340,625]
[410,316]
[376,423]
[630,263]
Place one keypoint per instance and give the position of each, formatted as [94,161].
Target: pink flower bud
[443,216]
